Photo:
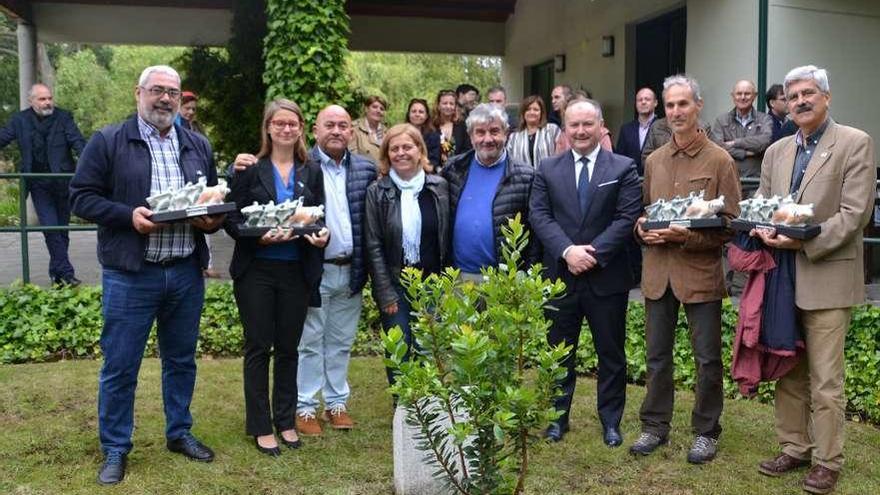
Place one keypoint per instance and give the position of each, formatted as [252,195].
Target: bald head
[40,99]
[333,131]
[646,102]
[744,93]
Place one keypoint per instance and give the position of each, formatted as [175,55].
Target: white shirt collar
[591,155]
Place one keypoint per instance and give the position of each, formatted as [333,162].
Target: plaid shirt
[175,240]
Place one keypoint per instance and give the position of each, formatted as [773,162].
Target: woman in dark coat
[275,276]
[407,223]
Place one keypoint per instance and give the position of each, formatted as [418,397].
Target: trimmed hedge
[39,325]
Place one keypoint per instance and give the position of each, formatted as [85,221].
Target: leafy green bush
[39,325]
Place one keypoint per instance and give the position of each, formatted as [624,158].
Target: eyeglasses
[158,91]
[280,125]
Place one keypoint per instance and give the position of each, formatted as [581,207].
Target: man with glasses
[152,272]
[46,136]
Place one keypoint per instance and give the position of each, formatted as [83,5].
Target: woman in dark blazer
[407,223]
[418,115]
[275,276]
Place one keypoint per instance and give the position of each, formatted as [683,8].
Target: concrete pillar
[27,60]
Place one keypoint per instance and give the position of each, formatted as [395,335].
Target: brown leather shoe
[820,479]
[780,465]
[307,424]
[338,418]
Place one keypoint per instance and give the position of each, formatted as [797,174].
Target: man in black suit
[632,135]
[583,207]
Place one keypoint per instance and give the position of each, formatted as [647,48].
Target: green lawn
[49,444]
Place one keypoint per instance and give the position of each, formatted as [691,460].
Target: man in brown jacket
[832,167]
[683,266]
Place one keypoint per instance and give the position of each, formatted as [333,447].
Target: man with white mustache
[38,130]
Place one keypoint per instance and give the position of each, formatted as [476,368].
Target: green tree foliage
[465,386]
[230,83]
[398,77]
[305,51]
[98,96]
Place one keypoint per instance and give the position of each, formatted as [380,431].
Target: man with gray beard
[47,136]
[152,272]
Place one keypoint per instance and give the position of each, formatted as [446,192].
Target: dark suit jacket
[614,204]
[64,137]
[257,183]
[628,143]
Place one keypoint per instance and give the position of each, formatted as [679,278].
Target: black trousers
[606,316]
[704,321]
[272,300]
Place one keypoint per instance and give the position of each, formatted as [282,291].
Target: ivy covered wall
[304,53]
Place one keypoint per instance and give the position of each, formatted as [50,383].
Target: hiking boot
[307,424]
[703,450]
[647,443]
[820,479]
[780,465]
[338,417]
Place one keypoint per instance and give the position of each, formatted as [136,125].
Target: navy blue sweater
[113,178]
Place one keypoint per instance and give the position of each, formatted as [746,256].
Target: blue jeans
[52,204]
[325,346]
[172,296]
[402,319]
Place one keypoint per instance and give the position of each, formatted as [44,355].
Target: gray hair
[497,89]
[806,73]
[30,93]
[593,103]
[160,69]
[683,80]
[485,113]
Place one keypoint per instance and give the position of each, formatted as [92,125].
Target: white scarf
[410,214]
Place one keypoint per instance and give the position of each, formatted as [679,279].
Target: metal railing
[23,228]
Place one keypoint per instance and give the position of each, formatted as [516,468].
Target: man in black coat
[633,134]
[46,136]
[583,207]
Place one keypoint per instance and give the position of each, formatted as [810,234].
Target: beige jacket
[362,141]
[840,182]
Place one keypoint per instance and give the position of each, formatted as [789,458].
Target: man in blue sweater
[486,188]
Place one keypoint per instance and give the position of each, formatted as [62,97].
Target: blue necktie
[583,184]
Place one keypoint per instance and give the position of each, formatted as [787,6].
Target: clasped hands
[580,258]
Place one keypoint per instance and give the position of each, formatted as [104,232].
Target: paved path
[85,261]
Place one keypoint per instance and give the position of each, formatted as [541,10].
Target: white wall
[540,29]
[841,36]
[56,22]
[722,48]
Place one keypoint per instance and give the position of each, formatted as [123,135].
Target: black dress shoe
[556,431]
[291,445]
[611,436]
[191,448]
[113,469]
[269,451]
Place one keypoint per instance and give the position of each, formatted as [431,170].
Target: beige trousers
[815,383]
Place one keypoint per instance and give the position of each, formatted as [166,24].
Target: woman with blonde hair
[275,276]
[407,223]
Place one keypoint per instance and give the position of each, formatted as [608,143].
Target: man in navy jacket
[633,134]
[46,136]
[152,272]
[583,207]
